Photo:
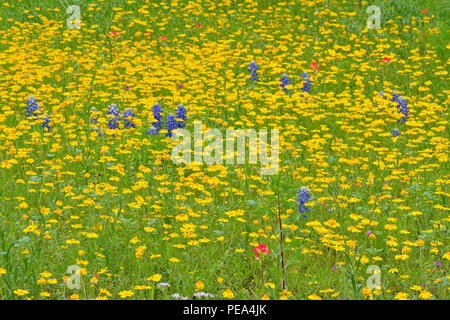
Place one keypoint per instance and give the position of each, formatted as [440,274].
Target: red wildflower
[262,248]
[199,25]
[114,33]
[314,65]
[424,11]
[163,38]
[386,60]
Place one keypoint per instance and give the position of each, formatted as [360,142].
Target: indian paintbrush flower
[315,66]
[263,250]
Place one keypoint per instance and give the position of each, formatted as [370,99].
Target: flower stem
[262,272]
[281,240]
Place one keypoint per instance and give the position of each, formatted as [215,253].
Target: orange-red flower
[261,249]
[314,65]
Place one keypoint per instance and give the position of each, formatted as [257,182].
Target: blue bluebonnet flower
[181,114]
[32,107]
[253,69]
[113,122]
[114,110]
[284,82]
[395,96]
[94,118]
[307,84]
[395,132]
[303,197]
[158,124]
[46,123]
[402,106]
[152,130]
[127,114]
[171,124]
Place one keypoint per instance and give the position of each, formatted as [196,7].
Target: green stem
[281,240]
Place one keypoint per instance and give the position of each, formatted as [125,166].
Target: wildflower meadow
[193,150]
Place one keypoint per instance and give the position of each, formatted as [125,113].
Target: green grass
[64,202]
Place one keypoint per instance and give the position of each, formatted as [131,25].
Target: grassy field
[89,188]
